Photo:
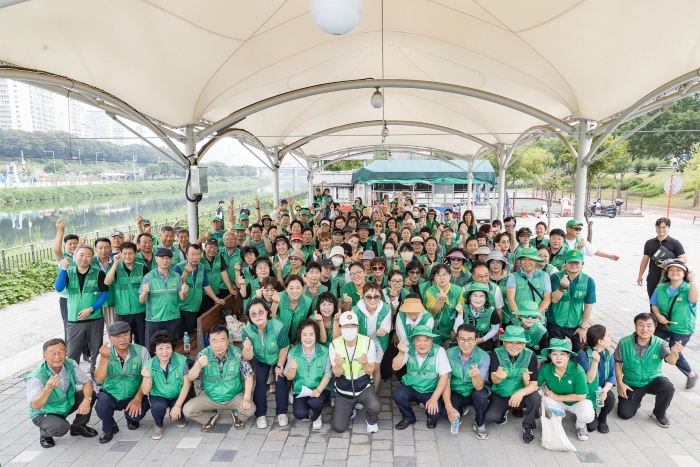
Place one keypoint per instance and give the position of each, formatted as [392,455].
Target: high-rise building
[24,107]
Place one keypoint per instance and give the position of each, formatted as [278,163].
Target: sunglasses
[253,314]
[372,297]
[577,229]
[414,273]
[377,268]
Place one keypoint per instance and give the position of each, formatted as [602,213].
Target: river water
[23,223]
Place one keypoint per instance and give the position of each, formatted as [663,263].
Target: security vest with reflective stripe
[460,381]
[638,372]
[195,288]
[126,289]
[58,403]
[568,311]
[167,387]
[353,380]
[79,300]
[123,382]
[514,371]
[422,378]
[224,385]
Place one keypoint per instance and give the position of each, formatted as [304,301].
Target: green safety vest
[549,269]
[291,318]
[269,353]
[222,386]
[595,384]
[683,313]
[352,292]
[460,381]
[559,258]
[353,380]
[336,286]
[445,318]
[311,378]
[424,317]
[219,236]
[163,302]
[79,300]
[482,323]
[126,289]
[123,382]
[533,242]
[462,279]
[110,288]
[195,290]
[261,247]
[637,372]
[568,311]
[503,285]
[381,314]
[524,292]
[329,333]
[167,387]
[231,261]
[422,378]
[286,269]
[314,298]
[58,403]
[71,264]
[214,272]
[150,264]
[514,370]
[534,336]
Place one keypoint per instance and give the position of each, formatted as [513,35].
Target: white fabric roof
[180,61]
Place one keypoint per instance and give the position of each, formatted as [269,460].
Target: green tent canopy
[409,172]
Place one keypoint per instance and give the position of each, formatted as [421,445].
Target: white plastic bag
[553,435]
[235,327]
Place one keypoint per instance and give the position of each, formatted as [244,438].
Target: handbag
[553,435]
[235,328]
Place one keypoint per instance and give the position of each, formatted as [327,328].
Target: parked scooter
[597,209]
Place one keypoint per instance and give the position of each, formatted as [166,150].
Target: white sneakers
[282,420]
[157,432]
[372,428]
[583,433]
[261,422]
[317,424]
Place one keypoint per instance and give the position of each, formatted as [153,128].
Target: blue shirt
[583,361]
[654,300]
[590,291]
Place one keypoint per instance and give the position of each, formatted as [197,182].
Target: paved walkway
[632,442]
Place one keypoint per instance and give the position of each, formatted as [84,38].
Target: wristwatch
[89,399]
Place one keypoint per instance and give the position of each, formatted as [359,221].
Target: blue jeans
[302,405]
[478,399]
[672,338]
[160,405]
[106,406]
[404,395]
[262,372]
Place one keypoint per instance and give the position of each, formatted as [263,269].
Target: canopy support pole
[502,165]
[584,145]
[310,178]
[276,177]
[192,206]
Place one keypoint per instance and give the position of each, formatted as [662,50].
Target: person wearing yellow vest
[227,380]
[119,372]
[470,369]
[638,361]
[528,282]
[52,395]
[573,297]
[87,293]
[165,382]
[162,291]
[674,304]
[513,374]
[374,317]
[126,274]
[427,370]
[266,342]
[597,361]
[354,358]
[566,384]
[309,370]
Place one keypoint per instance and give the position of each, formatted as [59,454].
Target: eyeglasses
[466,340]
[372,297]
[377,268]
[357,273]
[415,272]
[255,315]
[442,275]
[397,282]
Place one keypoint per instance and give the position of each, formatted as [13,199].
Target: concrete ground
[638,441]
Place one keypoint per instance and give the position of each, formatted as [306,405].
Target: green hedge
[21,284]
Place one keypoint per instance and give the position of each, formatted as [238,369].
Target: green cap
[514,334]
[559,344]
[529,253]
[527,309]
[243,217]
[215,218]
[574,256]
[239,227]
[476,286]
[573,222]
[304,212]
[423,330]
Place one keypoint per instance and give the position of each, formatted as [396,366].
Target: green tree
[344,165]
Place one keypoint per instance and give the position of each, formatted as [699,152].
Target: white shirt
[441,362]
[372,319]
[588,248]
[401,332]
[498,298]
[371,353]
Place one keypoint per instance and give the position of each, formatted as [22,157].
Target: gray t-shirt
[641,350]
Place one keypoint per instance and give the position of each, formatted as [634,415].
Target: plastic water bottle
[186,340]
[454,428]
[598,394]
[230,336]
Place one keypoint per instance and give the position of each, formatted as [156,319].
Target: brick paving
[633,442]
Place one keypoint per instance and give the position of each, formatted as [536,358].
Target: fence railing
[17,256]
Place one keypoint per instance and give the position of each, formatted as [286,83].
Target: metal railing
[17,256]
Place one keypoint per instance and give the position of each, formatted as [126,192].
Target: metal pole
[310,177]
[501,182]
[192,207]
[470,177]
[276,179]
[584,145]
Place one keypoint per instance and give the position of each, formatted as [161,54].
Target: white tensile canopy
[475,76]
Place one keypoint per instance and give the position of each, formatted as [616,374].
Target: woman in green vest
[528,283]
[165,382]
[567,386]
[266,342]
[374,316]
[441,300]
[529,318]
[675,305]
[313,287]
[291,306]
[545,255]
[430,255]
[539,238]
[478,312]
[282,266]
[358,206]
[459,275]
[498,276]
[249,286]
[327,315]
[597,361]
[309,370]
[378,268]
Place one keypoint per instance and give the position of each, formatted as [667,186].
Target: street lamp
[54,161]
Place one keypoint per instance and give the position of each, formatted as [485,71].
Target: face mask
[406,256]
[389,253]
[349,334]
[337,262]
[296,246]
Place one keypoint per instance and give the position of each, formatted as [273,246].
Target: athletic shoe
[481,431]
[603,427]
[583,433]
[690,383]
[354,412]
[261,422]
[317,424]
[662,421]
[503,419]
[157,432]
[206,428]
[372,428]
[181,422]
[282,420]
[528,435]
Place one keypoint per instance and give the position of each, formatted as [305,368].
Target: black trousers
[602,416]
[55,425]
[137,323]
[661,387]
[560,332]
[498,406]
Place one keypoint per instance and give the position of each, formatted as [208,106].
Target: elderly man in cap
[513,374]
[162,291]
[216,232]
[52,395]
[103,261]
[353,357]
[427,369]
[116,238]
[528,282]
[572,301]
[119,372]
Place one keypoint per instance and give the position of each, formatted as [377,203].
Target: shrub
[23,283]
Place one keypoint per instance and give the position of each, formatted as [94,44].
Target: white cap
[337,251]
[348,317]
